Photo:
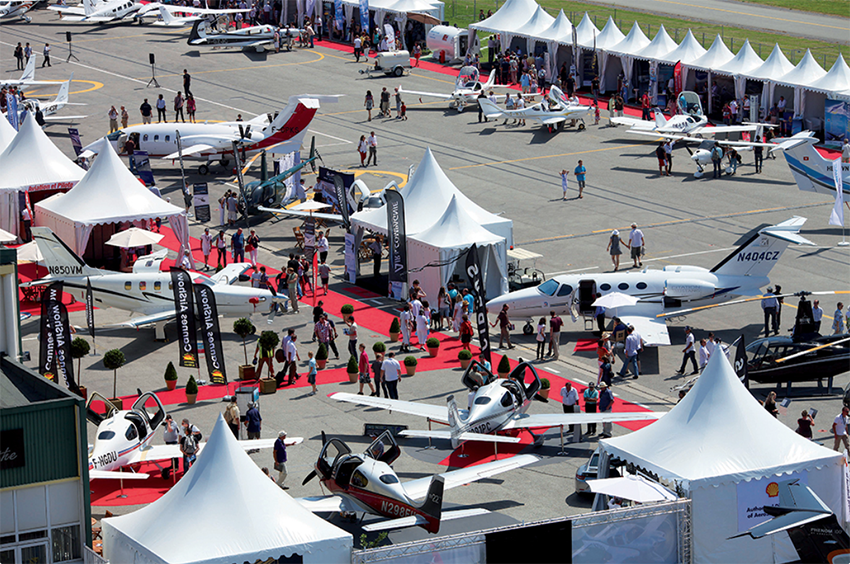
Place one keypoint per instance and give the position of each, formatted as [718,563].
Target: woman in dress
[369,102]
[362,147]
[541,338]
[423,320]
[614,242]
[444,305]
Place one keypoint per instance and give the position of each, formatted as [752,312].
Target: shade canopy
[837,79]
[609,36]
[511,15]
[32,162]
[775,66]
[806,73]
[615,300]
[310,205]
[233,512]
[660,45]
[716,56]
[6,237]
[635,42]
[29,253]
[632,487]
[134,237]
[745,61]
[688,51]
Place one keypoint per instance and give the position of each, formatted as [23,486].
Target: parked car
[587,471]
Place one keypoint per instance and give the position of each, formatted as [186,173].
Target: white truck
[391,63]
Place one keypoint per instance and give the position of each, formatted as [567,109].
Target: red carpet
[583,345]
[105,493]
[361,292]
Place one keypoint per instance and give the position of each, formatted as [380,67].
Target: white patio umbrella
[615,299]
[310,206]
[134,237]
[6,237]
[30,253]
[632,487]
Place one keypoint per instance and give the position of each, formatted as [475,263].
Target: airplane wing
[326,504]
[113,475]
[433,412]
[62,118]
[153,453]
[652,330]
[429,94]
[98,19]
[528,421]
[415,520]
[633,122]
[284,211]
[712,131]
[260,42]
[67,10]
[783,522]
[555,120]
[417,489]
[462,437]
[192,150]
[137,322]
[230,273]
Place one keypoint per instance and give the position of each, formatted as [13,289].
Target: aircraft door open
[328,456]
[384,448]
[476,376]
[97,417]
[157,417]
[586,296]
[526,376]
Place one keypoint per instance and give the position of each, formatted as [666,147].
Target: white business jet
[99,12]
[16,9]
[743,273]
[552,113]
[811,170]
[468,87]
[124,437]
[497,404]
[45,111]
[214,141]
[168,18]
[146,290]
[258,37]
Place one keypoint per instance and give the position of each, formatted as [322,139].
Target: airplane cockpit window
[138,422]
[344,469]
[756,350]
[389,478]
[105,435]
[507,400]
[483,400]
[115,135]
[565,290]
[333,450]
[520,375]
[467,77]
[131,434]
[549,288]
[689,104]
[358,480]
[476,376]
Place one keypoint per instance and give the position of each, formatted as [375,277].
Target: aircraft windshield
[689,104]
[549,287]
[467,77]
[384,448]
[476,376]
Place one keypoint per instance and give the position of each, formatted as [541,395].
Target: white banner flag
[837,215]
[390,32]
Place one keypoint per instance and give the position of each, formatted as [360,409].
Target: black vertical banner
[184,305]
[473,274]
[339,189]
[47,346]
[62,338]
[397,241]
[211,333]
[89,308]
[740,362]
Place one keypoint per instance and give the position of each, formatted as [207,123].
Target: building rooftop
[21,386]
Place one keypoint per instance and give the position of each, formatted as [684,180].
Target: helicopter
[272,192]
[366,483]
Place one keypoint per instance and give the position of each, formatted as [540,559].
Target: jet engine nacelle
[688,289]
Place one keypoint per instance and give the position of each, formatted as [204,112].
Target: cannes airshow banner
[754,495]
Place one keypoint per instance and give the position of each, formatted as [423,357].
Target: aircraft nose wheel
[581,127]
[527,329]
[224,163]
[203,170]
[699,174]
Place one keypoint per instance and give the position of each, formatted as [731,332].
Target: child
[596,114]
[312,371]
[564,184]
[403,113]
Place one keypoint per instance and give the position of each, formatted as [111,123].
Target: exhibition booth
[224,510]
[719,447]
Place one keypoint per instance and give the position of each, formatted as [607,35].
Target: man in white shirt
[769,305]
[569,399]
[704,353]
[636,243]
[26,217]
[372,142]
[689,352]
[406,322]
[358,48]
[292,357]
[633,346]
[817,315]
[390,373]
[415,306]
[839,429]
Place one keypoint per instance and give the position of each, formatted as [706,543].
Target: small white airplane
[498,404]
[124,438]
[168,18]
[468,87]
[258,37]
[145,291]
[214,141]
[811,170]
[366,483]
[741,274]
[27,77]
[99,12]
[45,111]
[16,9]
[552,113]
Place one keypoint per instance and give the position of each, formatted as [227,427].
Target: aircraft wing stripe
[527,421]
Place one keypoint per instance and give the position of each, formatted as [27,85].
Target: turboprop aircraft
[366,483]
[741,274]
[124,437]
[811,170]
[16,9]
[468,87]
[168,19]
[553,114]
[99,12]
[146,290]
[44,111]
[214,141]
[257,37]
[498,404]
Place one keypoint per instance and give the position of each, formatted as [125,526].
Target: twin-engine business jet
[742,273]
[257,37]
[497,405]
[99,12]
[366,483]
[552,114]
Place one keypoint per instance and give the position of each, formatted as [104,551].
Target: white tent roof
[585,32]
[776,65]
[561,30]
[716,56]
[538,22]
[7,132]
[609,36]
[806,73]
[411,6]
[456,229]
[745,61]
[31,159]
[837,79]
[109,193]
[688,51]
[635,42]
[691,443]
[426,198]
[660,45]
[235,514]
[511,15]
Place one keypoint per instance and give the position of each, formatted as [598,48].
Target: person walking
[352,335]
[280,459]
[160,110]
[187,83]
[406,320]
[591,399]
[188,448]
[253,421]
[758,154]
[369,103]
[580,172]
[398,103]
[231,416]
[504,327]
[292,358]
[668,152]
[564,183]
[606,405]
[385,102]
[555,324]
[46,53]
[372,143]
[125,117]
[237,246]
[375,365]
[839,323]
[191,107]
[27,52]
[19,56]
[252,245]
[717,159]
[839,430]
[636,244]
[178,108]
[326,332]
[312,372]
[689,352]
[614,242]
[147,111]
[768,305]
[292,287]
[632,348]
[390,373]
[322,246]
[221,247]
[206,246]
[661,155]
[362,148]
[363,365]
[358,48]
[113,119]
[569,402]
[817,315]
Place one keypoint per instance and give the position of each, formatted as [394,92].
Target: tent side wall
[118,547]
[64,228]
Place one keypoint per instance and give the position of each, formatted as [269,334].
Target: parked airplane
[553,114]
[257,37]
[168,19]
[497,404]
[27,77]
[468,87]
[16,9]
[44,111]
[124,437]
[742,273]
[214,141]
[811,170]
[366,483]
[145,291]
[99,12]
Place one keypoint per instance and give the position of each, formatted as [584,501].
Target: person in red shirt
[555,324]
[645,105]
[364,372]
[466,333]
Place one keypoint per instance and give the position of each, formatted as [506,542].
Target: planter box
[394,337]
[170,384]
[191,398]
[544,393]
[465,363]
[246,372]
[432,351]
[353,377]
[411,370]
[268,385]
[320,364]
[84,392]
[503,374]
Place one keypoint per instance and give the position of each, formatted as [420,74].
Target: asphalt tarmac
[506,169]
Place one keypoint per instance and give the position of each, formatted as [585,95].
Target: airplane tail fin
[62,97]
[432,506]
[60,260]
[291,123]
[489,108]
[660,120]
[811,170]
[199,31]
[760,253]
[29,70]
[167,18]
[490,81]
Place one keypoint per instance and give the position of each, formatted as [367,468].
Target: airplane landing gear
[581,126]
[528,328]
[203,170]
[224,163]
[700,172]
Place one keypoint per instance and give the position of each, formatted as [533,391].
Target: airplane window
[168,138]
[145,137]
[128,285]
[483,400]
[605,287]
[358,480]
[388,479]
[548,287]
[131,433]
[641,285]
[507,401]
[565,290]
[105,435]
[157,286]
[170,286]
[143,285]
[115,135]
[156,137]
[623,286]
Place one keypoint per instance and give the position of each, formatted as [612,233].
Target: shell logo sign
[772,489]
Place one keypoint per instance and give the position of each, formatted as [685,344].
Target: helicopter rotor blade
[807,351]
[752,299]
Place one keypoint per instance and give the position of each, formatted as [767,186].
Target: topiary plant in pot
[410,363]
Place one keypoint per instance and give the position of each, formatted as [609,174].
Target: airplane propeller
[755,298]
[313,473]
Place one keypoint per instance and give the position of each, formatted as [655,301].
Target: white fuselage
[160,139]
[9,10]
[112,449]
[493,406]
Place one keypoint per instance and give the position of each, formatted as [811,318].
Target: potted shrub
[322,356]
[410,363]
[504,367]
[353,369]
[191,391]
[113,360]
[379,347]
[346,310]
[465,357]
[243,327]
[268,341]
[79,349]
[433,345]
[543,392]
[170,376]
[395,330]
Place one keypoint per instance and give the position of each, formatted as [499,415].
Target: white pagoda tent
[7,133]
[745,61]
[836,80]
[775,66]
[716,56]
[512,14]
[607,38]
[536,24]
[626,50]
[801,78]
[557,34]
[585,32]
